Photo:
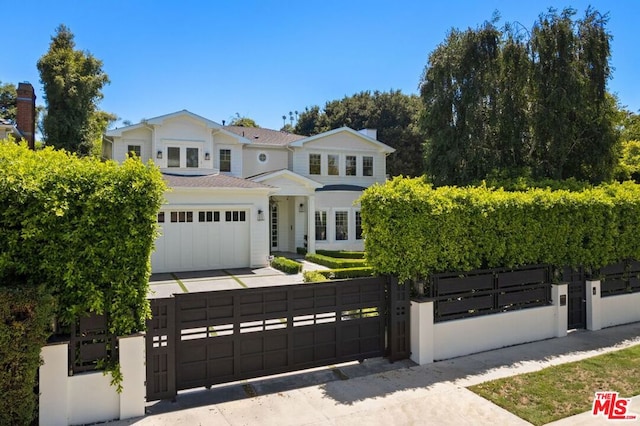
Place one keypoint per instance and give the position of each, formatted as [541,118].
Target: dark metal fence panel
[620,278]
[238,334]
[399,332]
[89,343]
[160,350]
[490,291]
[577,295]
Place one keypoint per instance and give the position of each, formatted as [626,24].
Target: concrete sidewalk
[379,393]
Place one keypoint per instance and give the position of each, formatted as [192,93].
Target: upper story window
[350,169]
[192,157]
[225,160]
[332,163]
[173,156]
[315,164]
[367,166]
[134,150]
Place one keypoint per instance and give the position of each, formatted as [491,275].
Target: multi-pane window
[133,150]
[350,169]
[209,216]
[314,164]
[332,164]
[235,216]
[225,160]
[192,157]
[173,156]
[367,166]
[342,225]
[160,217]
[321,226]
[358,226]
[181,217]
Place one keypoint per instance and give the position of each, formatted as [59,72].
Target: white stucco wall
[89,397]
[621,309]
[332,202]
[471,335]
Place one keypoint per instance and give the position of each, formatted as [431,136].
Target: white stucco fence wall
[432,342]
[611,310]
[89,397]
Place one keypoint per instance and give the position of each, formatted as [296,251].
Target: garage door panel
[212,240]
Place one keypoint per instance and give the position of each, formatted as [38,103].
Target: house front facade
[237,194]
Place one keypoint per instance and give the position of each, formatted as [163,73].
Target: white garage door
[197,240]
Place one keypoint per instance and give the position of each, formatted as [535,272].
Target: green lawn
[564,390]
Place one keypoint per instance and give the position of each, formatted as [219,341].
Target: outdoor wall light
[260,215]
[159,155]
[301,208]
[207,156]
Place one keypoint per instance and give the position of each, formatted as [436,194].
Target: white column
[311,224]
[132,367]
[594,310]
[422,332]
[559,295]
[54,381]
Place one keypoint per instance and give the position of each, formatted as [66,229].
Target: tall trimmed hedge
[83,228]
[413,230]
[25,315]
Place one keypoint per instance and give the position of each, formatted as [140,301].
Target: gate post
[399,335]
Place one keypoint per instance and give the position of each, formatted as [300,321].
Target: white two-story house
[238,194]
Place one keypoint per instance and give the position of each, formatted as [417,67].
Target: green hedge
[83,227]
[335,263]
[341,273]
[342,254]
[286,265]
[25,318]
[313,277]
[414,230]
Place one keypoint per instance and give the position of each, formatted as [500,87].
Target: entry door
[577,304]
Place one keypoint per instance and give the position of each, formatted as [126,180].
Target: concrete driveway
[167,284]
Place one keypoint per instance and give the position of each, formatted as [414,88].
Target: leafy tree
[241,121]
[393,114]
[8,101]
[630,126]
[288,128]
[72,81]
[498,104]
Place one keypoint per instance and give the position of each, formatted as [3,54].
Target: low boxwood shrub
[301,250]
[313,277]
[286,265]
[342,254]
[334,263]
[414,230]
[341,273]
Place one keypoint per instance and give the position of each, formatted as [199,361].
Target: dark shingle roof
[259,135]
[210,181]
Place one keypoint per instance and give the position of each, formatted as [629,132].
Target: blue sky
[262,59]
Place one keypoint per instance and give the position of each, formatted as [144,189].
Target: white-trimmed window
[193,157]
[134,150]
[315,164]
[367,166]
[262,157]
[350,166]
[333,162]
[342,225]
[321,225]
[358,225]
[173,156]
[225,160]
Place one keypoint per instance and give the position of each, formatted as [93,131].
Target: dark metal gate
[202,339]
[577,305]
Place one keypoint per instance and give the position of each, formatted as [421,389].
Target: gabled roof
[261,136]
[211,181]
[160,119]
[288,174]
[383,147]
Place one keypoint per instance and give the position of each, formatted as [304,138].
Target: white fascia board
[160,119]
[240,139]
[291,176]
[381,146]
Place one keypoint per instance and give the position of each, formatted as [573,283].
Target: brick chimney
[26,112]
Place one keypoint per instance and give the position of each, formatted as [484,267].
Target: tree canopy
[241,121]
[73,81]
[393,114]
[501,102]
[8,98]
